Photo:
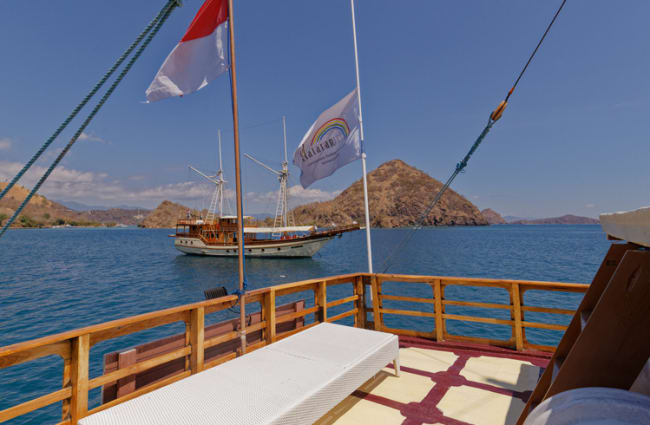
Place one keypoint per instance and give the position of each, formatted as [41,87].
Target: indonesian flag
[198,58]
[332,141]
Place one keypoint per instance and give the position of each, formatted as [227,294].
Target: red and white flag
[200,56]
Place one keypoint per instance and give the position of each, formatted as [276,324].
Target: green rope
[85,100]
[171,4]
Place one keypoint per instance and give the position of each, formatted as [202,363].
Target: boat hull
[300,248]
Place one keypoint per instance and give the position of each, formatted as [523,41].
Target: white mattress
[294,381]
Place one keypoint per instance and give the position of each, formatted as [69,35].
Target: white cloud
[5,144]
[89,187]
[90,138]
[297,195]
[590,205]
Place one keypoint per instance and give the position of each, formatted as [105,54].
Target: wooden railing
[74,346]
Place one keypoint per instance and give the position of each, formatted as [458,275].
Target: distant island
[494,217]
[565,219]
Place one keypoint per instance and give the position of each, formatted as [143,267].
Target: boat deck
[445,383]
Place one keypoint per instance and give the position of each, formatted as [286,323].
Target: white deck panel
[293,381]
[631,226]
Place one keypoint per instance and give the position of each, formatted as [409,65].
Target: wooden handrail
[74,346]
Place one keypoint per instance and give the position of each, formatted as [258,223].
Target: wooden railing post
[516,302]
[437,295]
[376,315]
[360,291]
[79,377]
[197,339]
[321,301]
[268,313]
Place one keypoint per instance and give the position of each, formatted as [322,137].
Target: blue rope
[171,4]
[85,100]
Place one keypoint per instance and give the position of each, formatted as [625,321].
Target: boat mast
[238,190]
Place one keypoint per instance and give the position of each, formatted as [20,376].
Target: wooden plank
[342,315]
[65,403]
[79,377]
[409,332]
[289,317]
[34,404]
[126,384]
[211,342]
[376,316]
[510,343]
[539,347]
[437,309]
[292,289]
[220,360]
[138,367]
[136,326]
[547,310]
[477,319]
[550,326]
[197,341]
[407,312]
[518,316]
[360,292]
[295,331]
[410,299]
[477,304]
[321,301]
[342,301]
[14,357]
[139,392]
[269,315]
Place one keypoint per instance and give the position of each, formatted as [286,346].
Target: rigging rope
[156,24]
[494,117]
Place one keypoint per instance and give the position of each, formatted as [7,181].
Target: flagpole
[363,150]
[240,218]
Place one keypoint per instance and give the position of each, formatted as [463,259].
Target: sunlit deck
[445,383]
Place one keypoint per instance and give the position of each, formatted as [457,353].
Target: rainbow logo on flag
[328,131]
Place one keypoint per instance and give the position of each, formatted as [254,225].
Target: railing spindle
[437,296]
[321,301]
[516,301]
[268,313]
[197,339]
[79,378]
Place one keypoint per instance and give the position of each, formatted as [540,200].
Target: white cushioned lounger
[293,381]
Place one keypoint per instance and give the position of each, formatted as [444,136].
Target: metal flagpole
[240,218]
[363,150]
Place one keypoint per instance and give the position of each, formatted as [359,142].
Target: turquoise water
[60,279]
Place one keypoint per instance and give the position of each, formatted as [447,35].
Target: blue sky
[573,140]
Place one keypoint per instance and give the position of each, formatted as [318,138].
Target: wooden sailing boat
[216,234]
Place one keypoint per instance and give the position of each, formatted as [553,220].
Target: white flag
[332,141]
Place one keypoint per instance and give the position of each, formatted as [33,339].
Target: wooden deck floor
[445,383]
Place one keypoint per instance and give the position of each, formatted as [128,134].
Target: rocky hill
[397,196]
[565,219]
[42,212]
[165,215]
[492,216]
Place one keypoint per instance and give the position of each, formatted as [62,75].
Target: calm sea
[59,279]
